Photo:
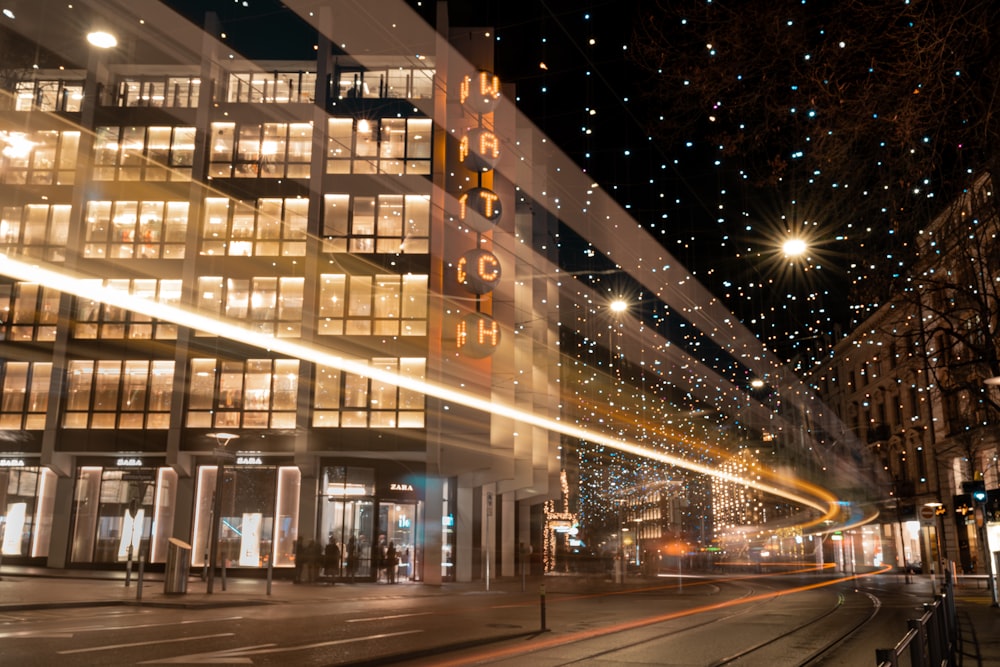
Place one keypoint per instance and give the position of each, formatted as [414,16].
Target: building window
[48,95]
[262,150]
[256,393]
[28,497]
[43,157]
[143,153]
[35,230]
[271,87]
[270,305]
[390,224]
[110,394]
[116,510]
[379,305]
[274,227]
[30,311]
[382,146]
[159,91]
[135,229]
[399,83]
[348,400]
[25,395]
[96,320]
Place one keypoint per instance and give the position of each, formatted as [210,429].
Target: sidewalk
[26,588]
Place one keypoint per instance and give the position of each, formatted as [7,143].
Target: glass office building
[245,299]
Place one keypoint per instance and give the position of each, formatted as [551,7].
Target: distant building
[915,383]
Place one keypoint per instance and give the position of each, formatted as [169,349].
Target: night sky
[578,79]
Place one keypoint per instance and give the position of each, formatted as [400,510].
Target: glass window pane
[15,384]
[390,216]
[418,215]
[383,395]
[106,386]
[336,215]
[134,386]
[327,388]
[79,380]
[286,384]
[202,384]
[360,304]
[331,295]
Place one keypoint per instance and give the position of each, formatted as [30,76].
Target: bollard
[541,592]
[223,574]
[270,572]
[128,567]
[142,570]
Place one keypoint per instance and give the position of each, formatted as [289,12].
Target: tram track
[775,644]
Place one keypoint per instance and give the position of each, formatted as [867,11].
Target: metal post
[270,568]
[541,593]
[128,563]
[142,570]
[213,537]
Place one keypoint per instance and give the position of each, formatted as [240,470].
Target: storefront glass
[399,521]
[118,508]
[26,496]
[258,505]
[347,516]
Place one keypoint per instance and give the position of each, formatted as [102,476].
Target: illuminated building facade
[915,382]
[229,283]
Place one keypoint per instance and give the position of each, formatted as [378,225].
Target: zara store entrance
[362,511]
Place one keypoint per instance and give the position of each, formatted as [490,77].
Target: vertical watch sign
[479,270]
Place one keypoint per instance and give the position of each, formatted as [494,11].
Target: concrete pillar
[508,536]
[62,511]
[432,531]
[465,523]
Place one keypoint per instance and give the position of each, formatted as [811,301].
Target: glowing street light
[618,305]
[102,39]
[794,247]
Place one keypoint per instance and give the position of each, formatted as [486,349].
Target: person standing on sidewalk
[300,558]
[390,562]
[352,558]
[331,560]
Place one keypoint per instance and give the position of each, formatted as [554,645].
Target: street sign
[927,514]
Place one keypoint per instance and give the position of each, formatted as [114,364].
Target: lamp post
[222,454]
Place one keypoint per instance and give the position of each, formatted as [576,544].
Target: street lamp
[221,456]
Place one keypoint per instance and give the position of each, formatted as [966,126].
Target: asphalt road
[783,620]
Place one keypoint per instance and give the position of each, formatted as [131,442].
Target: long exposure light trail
[554,641]
[71,283]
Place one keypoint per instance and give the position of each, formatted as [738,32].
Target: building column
[508,535]
[465,524]
[432,541]
[62,512]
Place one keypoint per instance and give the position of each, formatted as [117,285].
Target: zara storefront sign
[11,463]
[129,462]
[249,461]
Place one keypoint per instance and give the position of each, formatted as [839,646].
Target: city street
[775,620]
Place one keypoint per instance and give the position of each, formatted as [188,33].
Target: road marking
[242,655]
[386,618]
[112,647]
[68,632]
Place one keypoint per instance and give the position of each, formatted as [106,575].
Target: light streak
[69,282]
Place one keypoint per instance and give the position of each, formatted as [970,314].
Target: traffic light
[977,489]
